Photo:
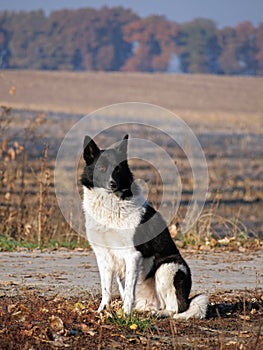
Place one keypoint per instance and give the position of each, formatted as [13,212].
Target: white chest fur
[110,221]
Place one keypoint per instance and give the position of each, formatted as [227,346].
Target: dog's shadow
[226,310]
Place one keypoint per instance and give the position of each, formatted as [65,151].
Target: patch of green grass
[190,239]
[242,235]
[135,321]
[72,244]
[10,244]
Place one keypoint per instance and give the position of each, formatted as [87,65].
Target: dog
[131,240]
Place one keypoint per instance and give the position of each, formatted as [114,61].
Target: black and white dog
[131,240]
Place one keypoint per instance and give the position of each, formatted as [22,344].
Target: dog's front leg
[132,272]
[120,285]
[106,277]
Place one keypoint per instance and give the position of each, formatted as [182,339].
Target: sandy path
[74,273]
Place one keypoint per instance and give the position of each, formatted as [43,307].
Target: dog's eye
[101,168]
[117,169]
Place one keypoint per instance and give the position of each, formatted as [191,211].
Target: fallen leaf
[18,316]
[78,307]
[44,310]
[56,324]
[244,334]
[245,317]
[56,339]
[231,342]
[213,242]
[224,241]
[85,329]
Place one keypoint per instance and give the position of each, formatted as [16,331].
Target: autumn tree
[153,42]
[198,46]
[246,48]
[112,39]
[89,39]
[259,49]
[85,39]
[4,49]
[237,49]
[24,30]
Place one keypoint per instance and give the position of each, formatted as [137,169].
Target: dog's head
[107,169]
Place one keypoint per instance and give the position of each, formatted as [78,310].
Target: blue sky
[223,12]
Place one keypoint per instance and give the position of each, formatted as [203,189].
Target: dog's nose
[113,185]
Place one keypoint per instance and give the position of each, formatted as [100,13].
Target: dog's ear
[91,150]
[122,147]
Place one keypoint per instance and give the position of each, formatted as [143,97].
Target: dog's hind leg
[182,285]
[145,295]
[173,284]
[165,290]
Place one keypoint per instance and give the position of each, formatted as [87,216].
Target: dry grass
[28,207]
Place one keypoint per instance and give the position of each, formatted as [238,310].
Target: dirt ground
[75,272]
[48,301]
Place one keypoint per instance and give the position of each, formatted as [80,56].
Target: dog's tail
[197,308]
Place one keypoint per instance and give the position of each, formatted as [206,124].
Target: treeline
[117,39]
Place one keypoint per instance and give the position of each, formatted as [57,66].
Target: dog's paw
[100,309]
[162,313]
[103,307]
[127,308]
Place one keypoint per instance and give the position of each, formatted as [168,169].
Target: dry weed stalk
[30,134]
[8,154]
[28,208]
[43,185]
[16,145]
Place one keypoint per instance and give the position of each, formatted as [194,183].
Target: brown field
[220,103]
[226,114]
